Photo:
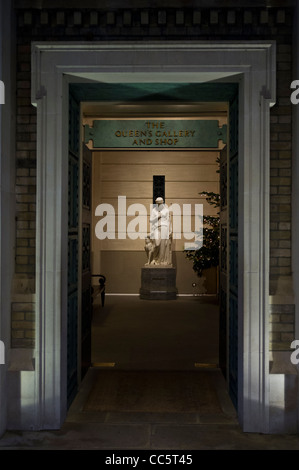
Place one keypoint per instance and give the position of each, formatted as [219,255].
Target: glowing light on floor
[103,364]
[201,365]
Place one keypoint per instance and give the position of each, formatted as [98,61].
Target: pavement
[129,334]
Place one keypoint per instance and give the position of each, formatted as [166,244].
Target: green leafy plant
[208,255]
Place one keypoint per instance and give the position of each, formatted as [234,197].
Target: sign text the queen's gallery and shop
[149,134]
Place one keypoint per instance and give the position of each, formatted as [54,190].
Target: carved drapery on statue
[158,276]
[158,242]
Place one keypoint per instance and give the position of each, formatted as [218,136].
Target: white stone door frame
[54,65]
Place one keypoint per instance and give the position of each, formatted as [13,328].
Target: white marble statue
[158,243]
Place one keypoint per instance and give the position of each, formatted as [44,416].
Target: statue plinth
[158,283]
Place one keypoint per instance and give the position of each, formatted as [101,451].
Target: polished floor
[137,342]
[155,335]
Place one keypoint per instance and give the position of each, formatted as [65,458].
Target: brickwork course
[138,24]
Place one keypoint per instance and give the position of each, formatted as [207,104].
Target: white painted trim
[252,65]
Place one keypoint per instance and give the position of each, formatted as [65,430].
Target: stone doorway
[251,65]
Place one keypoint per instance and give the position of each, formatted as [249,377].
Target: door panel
[86,294]
[233,252]
[73,246]
[228,321]
[223,283]
[79,269]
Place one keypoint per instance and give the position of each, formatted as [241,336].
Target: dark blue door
[223,268]
[79,245]
[73,249]
[233,250]
[86,295]
[228,292]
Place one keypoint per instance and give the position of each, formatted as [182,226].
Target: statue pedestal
[158,283]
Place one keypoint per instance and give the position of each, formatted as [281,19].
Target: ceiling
[153,99]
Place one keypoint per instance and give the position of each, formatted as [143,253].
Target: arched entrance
[249,65]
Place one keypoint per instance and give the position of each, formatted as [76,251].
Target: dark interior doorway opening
[153,341]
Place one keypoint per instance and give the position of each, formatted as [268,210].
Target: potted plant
[208,255]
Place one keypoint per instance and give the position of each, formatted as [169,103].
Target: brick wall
[281,163]
[23,332]
[282,318]
[26,165]
[152,24]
